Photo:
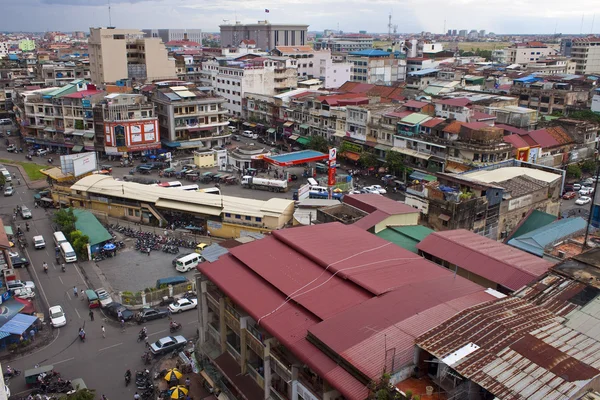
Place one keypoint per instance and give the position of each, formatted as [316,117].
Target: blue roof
[19,324]
[528,79]
[213,252]
[424,72]
[13,57]
[537,240]
[370,53]
[297,156]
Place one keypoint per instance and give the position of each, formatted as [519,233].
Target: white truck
[273,185]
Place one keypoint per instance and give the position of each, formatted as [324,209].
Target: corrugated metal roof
[536,241]
[406,237]
[369,221]
[415,118]
[415,104]
[456,102]
[543,138]
[371,202]
[485,257]
[557,293]
[534,220]
[524,351]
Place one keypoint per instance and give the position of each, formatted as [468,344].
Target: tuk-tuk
[31,375]
[106,167]
[93,301]
[46,202]
[230,180]
[144,170]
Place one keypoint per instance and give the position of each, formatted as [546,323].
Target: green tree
[80,242]
[368,159]
[382,389]
[585,115]
[65,220]
[396,166]
[82,394]
[318,143]
[2,180]
[573,171]
[589,166]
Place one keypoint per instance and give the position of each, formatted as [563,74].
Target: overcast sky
[499,16]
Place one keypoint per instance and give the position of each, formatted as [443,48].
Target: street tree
[80,242]
[318,143]
[65,220]
[82,394]
[573,171]
[368,159]
[395,164]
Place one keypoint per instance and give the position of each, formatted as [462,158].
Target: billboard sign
[78,164]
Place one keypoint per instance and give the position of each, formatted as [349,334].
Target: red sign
[332,164]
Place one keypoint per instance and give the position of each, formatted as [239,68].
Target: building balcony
[233,352]
[214,298]
[276,395]
[232,319]
[311,383]
[281,364]
[254,374]
[214,333]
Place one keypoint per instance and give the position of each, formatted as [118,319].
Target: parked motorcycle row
[148,241]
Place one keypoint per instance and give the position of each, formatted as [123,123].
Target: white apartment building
[586,54]
[232,78]
[4,49]
[317,64]
[346,43]
[525,53]
[117,54]
[377,67]
[167,35]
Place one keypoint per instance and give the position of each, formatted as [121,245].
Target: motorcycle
[127,378]
[142,336]
[64,269]
[45,269]
[147,358]
[174,326]
[13,373]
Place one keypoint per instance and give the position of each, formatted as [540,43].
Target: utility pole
[109,16]
[594,195]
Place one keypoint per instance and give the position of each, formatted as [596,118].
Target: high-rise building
[462,33]
[482,33]
[449,32]
[167,35]
[454,32]
[117,54]
[266,35]
[585,52]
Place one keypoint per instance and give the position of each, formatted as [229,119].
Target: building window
[237,216]
[248,218]
[227,215]
[258,219]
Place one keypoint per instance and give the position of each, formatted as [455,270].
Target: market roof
[406,237]
[89,225]
[536,241]
[485,257]
[506,173]
[372,202]
[370,53]
[516,350]
[296,157]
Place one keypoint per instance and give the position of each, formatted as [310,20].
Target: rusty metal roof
[495,261]
[524,352]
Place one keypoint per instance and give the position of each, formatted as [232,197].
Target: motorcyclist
[127,377]
[143,333]
[27,226]
[9,370]
[174,324]
[45,265]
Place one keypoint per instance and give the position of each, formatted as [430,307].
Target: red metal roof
[399,114]
[511,129]
[529,140]
[475,125]
[287,321]
[293,275]
[372,202]
[543,138]
[457,102]
[498,262]
[369,221]
[453,127]
[432,122]
[82,94]
[478,116]
[516,140]
[415,104]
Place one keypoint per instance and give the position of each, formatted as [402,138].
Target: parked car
[370,189]
[250,134]
[148,314]
[236,138]
[183,305]
[24,293]
[576,187]
[10,285]
[174,262]
[25,212]
[586,191]
[569,195]
[41,152]
[114,308]
[104,297]
[9,191]
[143,167]
[11,147]
[588,182]
[39,242]
[583,200]
[57,316]
[168,343]
[380,189]
[19,262]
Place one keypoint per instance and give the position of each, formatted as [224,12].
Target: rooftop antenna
[444,31]
[109,16]
[581,27]
[593,19]
[390,26]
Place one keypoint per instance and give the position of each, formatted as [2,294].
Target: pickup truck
[148,314]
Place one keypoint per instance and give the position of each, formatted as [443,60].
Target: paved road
[101,362]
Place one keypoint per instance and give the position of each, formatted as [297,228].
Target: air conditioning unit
[561,254]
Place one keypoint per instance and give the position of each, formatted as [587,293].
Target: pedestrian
[91,315]
[103,332]
[122,325]
[169,314]
[187,383]
[82,293]
[19,181]
[32,334]
[148,251]
[75,291]
[119,315]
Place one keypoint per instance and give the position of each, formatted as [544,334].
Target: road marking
[81,276]
[62,283]
[192,322]
[63,361]
[78,313]
[37,278]
[45,347]
[109,347]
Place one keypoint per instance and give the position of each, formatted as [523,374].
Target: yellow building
[222,216]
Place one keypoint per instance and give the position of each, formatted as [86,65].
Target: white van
[67,252]
[312,182]
[187,263]
[59,238]
[319,189]
[6,175]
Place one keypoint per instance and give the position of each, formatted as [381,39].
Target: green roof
[303,140]
[415,118]
[89,225]
[535,220]
[62,91]
[406,237]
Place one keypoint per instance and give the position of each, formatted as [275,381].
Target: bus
[189,187]
[211,190]
[170,184]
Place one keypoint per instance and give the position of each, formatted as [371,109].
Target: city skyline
[533,17]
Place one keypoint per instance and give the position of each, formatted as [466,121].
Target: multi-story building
[346,43]
[585,52]
[266,35]
[549,96]
[4,46]
[377,67]
[117,54]
[525,53]
[232,78]
[127,123]
[190,117]
[552,65]
[317,64]
[62,73]
[60,118]
[167,35]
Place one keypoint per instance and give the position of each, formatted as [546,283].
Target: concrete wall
[158,64]
[398,220]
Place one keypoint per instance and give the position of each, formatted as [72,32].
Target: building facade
[62,73]
[117,54]
[266,35]
[167,35]
[377,67]
[585,52]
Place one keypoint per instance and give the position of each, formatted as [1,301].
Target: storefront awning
[421,176]
[77,148]
[303,140]
[304,126]
[288,124]
[339,134]
[249,124]
[171,144]
[78,133]
[411,152]
[383,147]
[89,135]
[49,129]
[271,130]
[293,137]
[350,155]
